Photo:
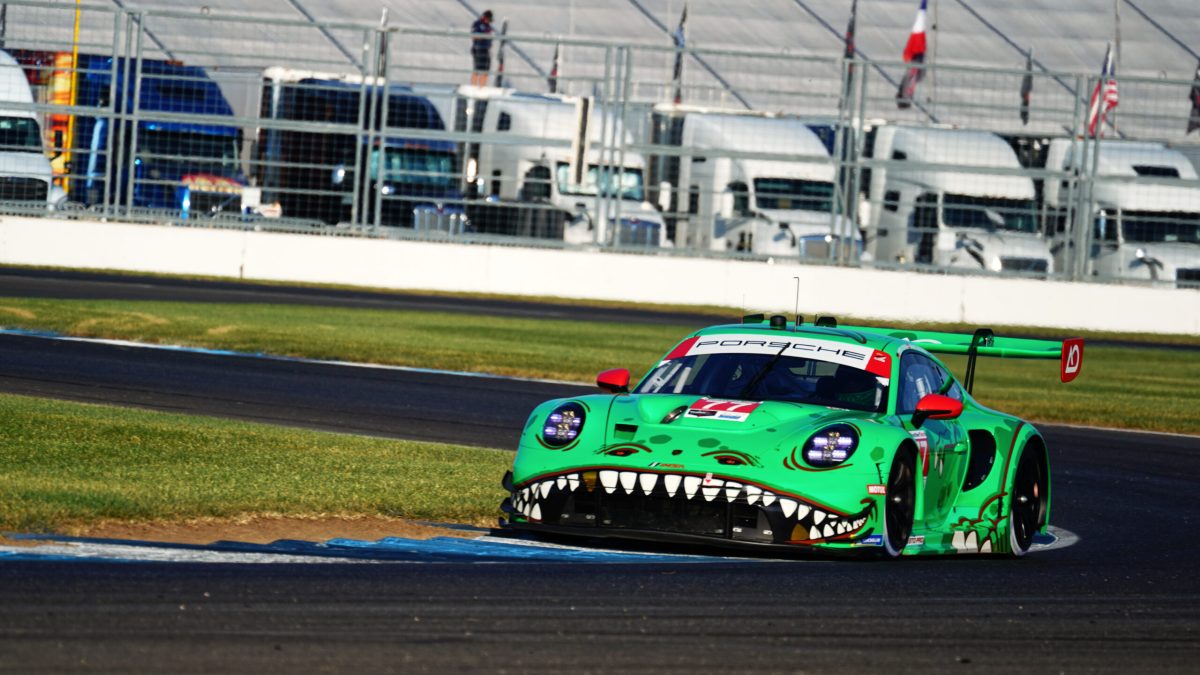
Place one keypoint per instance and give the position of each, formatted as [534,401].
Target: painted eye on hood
[730,458]
[625,450]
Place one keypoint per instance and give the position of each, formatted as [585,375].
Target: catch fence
[206,118]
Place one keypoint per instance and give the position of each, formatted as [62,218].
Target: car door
[941,444]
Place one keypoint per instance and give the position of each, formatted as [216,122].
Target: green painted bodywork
[626,433]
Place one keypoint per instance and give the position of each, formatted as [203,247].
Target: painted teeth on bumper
[552,500]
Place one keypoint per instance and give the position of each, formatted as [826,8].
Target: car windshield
[1150,227]
[791,193]
[769,377]
[631,182]
[989,213]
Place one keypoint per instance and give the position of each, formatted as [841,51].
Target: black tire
[1028,501]
[900,505]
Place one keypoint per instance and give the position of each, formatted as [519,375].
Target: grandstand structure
[766,55]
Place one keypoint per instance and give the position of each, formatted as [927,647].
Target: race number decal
[923,448]
[711,408]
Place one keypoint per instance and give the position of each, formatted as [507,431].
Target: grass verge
[68,464]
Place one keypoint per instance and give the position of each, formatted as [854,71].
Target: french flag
[914,50]
[914,53]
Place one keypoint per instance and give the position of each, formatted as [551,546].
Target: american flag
[679,37]
[1104,96]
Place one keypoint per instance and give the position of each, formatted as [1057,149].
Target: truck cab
[1147,230]
[558,178]
[758,183]
[936,202]
[26,178]
[376,160]
[189,168]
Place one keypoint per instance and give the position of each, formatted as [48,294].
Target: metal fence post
[132,111]
[598,234]
[619,132]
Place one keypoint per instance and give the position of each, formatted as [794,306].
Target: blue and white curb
[484,549]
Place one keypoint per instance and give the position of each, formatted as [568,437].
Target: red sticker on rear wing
[1072,358]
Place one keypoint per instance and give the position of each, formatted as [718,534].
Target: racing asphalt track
[1125,598]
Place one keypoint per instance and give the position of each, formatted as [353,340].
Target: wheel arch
[1027,442]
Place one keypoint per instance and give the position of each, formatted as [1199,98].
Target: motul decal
[732,411]
[877,489]
[1072,358]
[922,447]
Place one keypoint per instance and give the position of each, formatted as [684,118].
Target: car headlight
[563,425]
[831,446]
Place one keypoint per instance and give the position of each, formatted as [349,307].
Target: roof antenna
[799,319]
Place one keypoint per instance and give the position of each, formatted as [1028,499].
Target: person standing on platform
[481,48]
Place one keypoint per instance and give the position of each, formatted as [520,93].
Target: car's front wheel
[1029,500]
[900,503]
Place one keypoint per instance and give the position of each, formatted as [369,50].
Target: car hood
[700,415]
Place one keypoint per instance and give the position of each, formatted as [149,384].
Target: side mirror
[936,407]
[615,381]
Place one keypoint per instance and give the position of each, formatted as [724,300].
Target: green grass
[67,464]
[1121,387]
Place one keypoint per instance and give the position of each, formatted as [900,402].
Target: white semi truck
[1147,230]
[938,203]
[563,170]
[760,183]
[25,173]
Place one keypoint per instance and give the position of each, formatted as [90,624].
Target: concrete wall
[889,296]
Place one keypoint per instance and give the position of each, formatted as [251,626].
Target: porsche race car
[798,436]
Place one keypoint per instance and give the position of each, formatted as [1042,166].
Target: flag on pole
[500,54]
[1194,119]
[1027,86]
[1104,96]
[553,79]
[914,53]
[850,30]
[680,39]
[849,53]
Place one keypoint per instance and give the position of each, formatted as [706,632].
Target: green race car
[800,436]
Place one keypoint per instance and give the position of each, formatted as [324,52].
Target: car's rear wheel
[1029,500]
[900,504]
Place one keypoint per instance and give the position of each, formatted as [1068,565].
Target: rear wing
[1069,353]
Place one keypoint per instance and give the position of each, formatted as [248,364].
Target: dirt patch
[261,530]
[18,312]
[221,330]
